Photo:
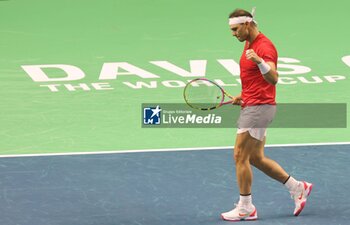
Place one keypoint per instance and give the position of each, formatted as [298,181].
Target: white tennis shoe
[300,196]
[240,213]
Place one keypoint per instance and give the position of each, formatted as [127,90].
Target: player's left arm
[268,69]
[272,75]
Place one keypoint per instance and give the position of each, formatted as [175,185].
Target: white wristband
[264,67]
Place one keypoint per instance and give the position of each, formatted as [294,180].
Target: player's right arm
[267,69]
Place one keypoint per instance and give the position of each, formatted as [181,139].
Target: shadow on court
[157,188]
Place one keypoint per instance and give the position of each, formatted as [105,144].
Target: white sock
[246,201]
[291,184]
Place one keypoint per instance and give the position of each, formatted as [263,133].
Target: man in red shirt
[259,76]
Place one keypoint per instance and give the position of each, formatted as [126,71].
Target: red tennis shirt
[255,89]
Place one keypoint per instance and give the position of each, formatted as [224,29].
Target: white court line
[167,150]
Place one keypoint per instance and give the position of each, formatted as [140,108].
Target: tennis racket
[204,94]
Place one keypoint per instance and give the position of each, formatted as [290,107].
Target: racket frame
[223,94]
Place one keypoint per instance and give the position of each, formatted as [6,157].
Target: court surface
[174,187]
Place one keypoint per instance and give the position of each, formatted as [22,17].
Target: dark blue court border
[168,188]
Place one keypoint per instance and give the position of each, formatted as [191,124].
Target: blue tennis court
[167,187]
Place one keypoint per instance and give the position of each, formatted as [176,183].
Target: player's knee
[239,155]
[236,153]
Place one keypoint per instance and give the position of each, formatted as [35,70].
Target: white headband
[242,19]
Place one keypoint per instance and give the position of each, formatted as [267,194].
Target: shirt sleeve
[268,52]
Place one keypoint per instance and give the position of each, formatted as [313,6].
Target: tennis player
[258,107]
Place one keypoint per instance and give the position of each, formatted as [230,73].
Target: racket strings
[203,94]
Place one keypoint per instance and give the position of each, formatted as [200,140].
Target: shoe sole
[245,219]
[302,205]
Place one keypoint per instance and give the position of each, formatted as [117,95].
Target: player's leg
[299,190]
[267,165]
[244,210]
[243,148]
